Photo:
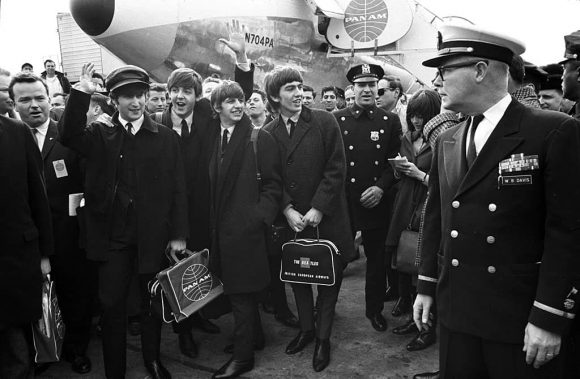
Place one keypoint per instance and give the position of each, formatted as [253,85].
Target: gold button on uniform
[343,118]
[455,204]
[491,270]
[492,207]
[376,163]
[352,180]
[351,164]
[378,146]
[385,117]
[490,239]
[346,132]
[455,262]
[454,233]
[351,147]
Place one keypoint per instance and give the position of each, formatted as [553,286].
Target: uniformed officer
[370,136]
[501,232]
[571,75]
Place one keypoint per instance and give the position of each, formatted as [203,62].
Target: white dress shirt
[488,124]
[136,124]
[41,134]
[176,122]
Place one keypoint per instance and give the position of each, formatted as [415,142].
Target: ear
[481,70]
[98,109]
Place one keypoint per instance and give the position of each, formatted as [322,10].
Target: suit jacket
[161,201]
[507,253]
[25,226]
[370,136]
[314,172]
[241,209]
[69,181]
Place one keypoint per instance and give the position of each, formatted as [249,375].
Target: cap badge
[366,69]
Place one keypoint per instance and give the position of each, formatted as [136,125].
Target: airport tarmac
[358,351]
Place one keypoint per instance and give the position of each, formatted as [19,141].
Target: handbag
[407,251]
[48,332]
[309,261]
[184,288]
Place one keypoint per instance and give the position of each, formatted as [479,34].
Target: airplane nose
[93,16]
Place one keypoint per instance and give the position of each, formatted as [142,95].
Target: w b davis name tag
[516,180]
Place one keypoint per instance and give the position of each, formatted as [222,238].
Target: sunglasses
[382,91]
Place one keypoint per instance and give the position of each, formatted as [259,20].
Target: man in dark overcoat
[241,208]
[26,241]
[71,271]
[371,136]
[136,204]
[502,221]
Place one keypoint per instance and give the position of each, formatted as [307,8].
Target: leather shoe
[378,322]
[423,340]
[205,325]
[187,345]
[258,346]
[300,342]
[427,375]
[287,319]
[80,364]
[157,370]
[234,368]
[407,328]
[402,306]
[321,357]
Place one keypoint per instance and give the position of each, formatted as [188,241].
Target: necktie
[224,141]
[184,129]
[291,125]
[130,128]
[471,151]
[34,132]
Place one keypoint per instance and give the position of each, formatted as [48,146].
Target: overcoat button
[351,164]
[352,180]
[343,118]
[454,234]
[378,146]
[491,270]
[455,204]
[346,132]
[490,239]
[455,262]
[492,207]
[351,147]
[376,163]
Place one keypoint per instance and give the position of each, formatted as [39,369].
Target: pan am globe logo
[196,282]
[365,20]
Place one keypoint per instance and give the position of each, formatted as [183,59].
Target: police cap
[126,75]
[572,42]
[365,73]
[553,77]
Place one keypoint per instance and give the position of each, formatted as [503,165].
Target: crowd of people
[481,168]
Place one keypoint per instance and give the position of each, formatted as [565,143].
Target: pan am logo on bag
[196,282]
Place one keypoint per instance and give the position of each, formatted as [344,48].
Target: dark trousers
[74,276]
[277,288]
[247,324]
[464,356]
[15,352]
[114,282]
[571,351]
[326,302]
[376,273]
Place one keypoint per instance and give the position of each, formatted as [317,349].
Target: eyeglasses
[382,91]
[442,69]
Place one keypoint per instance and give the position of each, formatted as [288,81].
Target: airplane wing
[330,8]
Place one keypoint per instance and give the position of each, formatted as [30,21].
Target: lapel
[454,157]
[50,139]
[301,128]
[280,132]
[214,146]
[500,144]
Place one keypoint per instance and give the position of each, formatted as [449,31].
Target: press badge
[60,168]
[516,164]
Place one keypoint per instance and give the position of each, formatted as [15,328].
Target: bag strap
[158,116]
[254,140]
[317,234]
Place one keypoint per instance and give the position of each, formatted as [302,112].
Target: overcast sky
[28,27]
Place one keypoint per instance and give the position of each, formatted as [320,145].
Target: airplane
[321,38]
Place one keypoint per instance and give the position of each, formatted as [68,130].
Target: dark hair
[129,90]
[424,103]
[158,87]
[226,90]
[97,75]
[261,93]
[25,77]
[26,65]
[276,79]
[517,70]
[186,78]
[329,89]
[47,61]
[103,102]
[306,88]
[394,83]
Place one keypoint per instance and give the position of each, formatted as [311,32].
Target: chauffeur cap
[126,75]
[471,40]
[553,77]
[572,42]
[365,73]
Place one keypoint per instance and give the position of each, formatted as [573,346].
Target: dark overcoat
[25,225]
[314,171]
[508,247]
[241,208]
[161,201]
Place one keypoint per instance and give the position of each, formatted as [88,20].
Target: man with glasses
[370,136]
[501,229]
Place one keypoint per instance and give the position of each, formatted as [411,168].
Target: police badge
[366,69]
[374,136]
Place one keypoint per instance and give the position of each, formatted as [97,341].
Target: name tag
[516,180]
[60,168]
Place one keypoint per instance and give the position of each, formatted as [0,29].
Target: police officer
[571,75]
[370,136]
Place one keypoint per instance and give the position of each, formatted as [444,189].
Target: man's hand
[294,219]
[176,245]
[421,309]
[541,346]
[45,266]
[85,83]
[312,217]
[371,197]
[236,41]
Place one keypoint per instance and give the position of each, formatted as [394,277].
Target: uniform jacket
[64,83]
[67,163]
[161,201]
[507,253]
[25,225]
[314,171]
[370,138]
[241,209]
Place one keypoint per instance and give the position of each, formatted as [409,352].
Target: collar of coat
[357,111]
[148,124]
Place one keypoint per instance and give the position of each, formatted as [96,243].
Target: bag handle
[172,255]
[317,234]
